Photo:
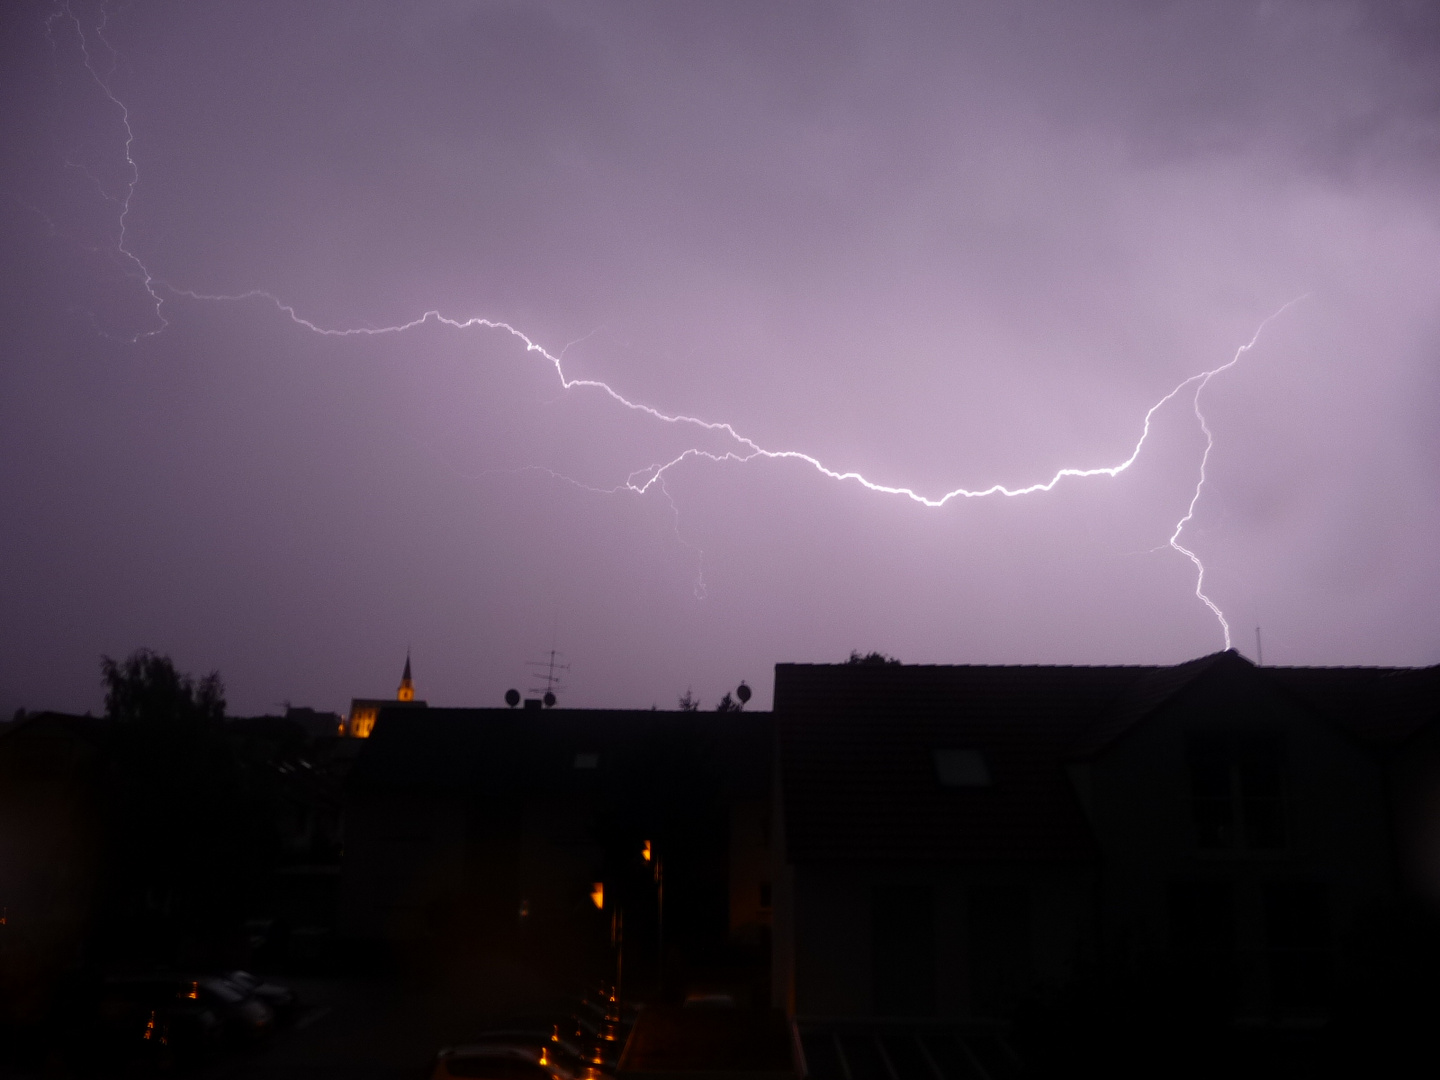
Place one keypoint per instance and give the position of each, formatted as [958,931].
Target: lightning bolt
[65,12]
[640,481]
[1203,381]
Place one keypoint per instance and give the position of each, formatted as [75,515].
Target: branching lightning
[65,11]
[640,481]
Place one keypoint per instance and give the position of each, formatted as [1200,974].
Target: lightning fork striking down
[642,480]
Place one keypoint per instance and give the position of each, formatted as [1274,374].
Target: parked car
[498,1061]
[283,1001]
[246,1018]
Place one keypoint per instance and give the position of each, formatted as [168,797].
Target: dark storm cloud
[942,244]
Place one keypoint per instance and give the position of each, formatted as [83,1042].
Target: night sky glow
[993,250]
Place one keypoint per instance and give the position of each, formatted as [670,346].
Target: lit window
[961,768]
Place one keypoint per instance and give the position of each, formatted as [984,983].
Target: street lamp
[650,855]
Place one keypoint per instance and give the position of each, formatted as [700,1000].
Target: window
[1236,791]
[961,768]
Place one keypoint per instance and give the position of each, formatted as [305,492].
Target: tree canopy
[145,688]
[184,838]
[870,658]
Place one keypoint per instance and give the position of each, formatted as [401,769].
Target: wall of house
[831,917]
[783,916]
[1167,893]
[404,865]
[941,940]
[1415,793]
[751,877]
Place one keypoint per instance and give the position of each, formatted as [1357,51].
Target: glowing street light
[597,895]
[650,855]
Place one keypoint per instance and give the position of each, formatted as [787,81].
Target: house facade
[951,838]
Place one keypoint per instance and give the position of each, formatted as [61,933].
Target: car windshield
[494,1068]
[224,991]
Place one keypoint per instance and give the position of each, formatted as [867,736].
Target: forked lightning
[642,480]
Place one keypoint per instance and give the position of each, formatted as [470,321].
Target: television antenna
[548,673]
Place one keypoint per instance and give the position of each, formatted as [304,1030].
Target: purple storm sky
[943,245]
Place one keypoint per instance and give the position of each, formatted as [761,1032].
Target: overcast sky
[942,245]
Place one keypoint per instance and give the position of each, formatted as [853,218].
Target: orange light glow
[362,721]
[194,994]
[597,895]
[645,851]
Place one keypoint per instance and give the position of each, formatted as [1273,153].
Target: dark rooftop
[858,746]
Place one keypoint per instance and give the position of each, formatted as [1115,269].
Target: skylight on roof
[961,768]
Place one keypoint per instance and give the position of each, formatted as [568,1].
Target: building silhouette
[365,711]
[952,837]
[929,842]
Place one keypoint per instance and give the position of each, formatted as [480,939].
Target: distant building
[365,711]
[315,723]
[492,827]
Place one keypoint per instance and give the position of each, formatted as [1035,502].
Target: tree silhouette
[183,841]
[876,658]
[689,702]
[144,689]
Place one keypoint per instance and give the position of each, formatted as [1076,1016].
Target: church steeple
[407,686]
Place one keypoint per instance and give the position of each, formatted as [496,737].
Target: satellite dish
[549,700]
[742,692]
[512,697]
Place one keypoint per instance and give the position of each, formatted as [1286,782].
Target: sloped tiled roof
[1379,706]
[441,751]
[857,763]
[1146,693]
[857,745]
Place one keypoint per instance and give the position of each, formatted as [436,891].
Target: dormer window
[1236,789]
[958,767]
